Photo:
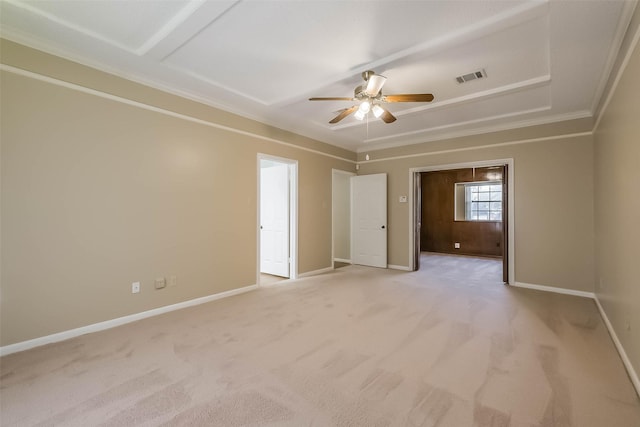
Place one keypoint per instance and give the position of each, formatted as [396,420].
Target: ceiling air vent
[472,76]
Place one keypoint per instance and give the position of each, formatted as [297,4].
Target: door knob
[383,226]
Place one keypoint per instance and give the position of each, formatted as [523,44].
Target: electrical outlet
[160,283]
[135,287]
[456,245]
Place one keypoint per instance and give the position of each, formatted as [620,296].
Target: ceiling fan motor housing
[359,93]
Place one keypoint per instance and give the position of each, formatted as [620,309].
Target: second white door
[369,220]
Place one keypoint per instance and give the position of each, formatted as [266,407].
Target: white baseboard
[348,261]
[278,283]
[315,272]
[554,289]
[108,324]
[399,267]
[623,354]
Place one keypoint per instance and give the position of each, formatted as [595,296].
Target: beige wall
[341,215]
[97,194]
[553,203]
[617,208]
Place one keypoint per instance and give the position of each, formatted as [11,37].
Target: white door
[369,220]
[274,219]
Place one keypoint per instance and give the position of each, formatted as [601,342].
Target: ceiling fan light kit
[370,97]
[377,111]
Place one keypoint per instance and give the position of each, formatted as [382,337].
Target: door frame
[417,224]
[511,259]
[293,213]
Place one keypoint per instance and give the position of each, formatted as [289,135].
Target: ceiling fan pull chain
[367,125]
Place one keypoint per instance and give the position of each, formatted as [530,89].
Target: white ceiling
[545,61]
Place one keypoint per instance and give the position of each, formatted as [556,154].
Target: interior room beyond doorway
[462,211]
[466,210]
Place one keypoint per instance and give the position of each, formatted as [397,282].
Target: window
[479,201]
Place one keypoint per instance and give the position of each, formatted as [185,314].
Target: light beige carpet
[446,346]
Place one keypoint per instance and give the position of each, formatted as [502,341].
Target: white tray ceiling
[545,60]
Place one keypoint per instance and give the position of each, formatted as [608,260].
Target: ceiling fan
[369,95]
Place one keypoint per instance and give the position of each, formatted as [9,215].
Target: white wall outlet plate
[402,199]
[160,283]
[456,245]
[135,287]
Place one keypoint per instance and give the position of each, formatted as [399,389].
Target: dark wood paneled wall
[439,231]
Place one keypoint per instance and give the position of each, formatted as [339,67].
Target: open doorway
[457,215]
[277,219]
[341,217]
